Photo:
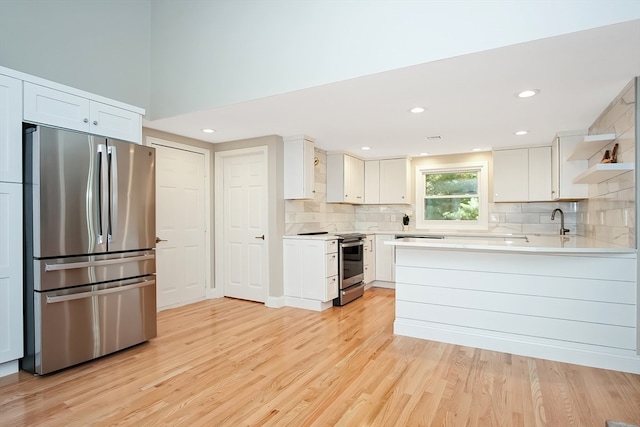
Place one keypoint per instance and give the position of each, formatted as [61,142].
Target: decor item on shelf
[610,157]
[614,154]
[405,222]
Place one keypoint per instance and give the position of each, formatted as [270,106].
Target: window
[452,197]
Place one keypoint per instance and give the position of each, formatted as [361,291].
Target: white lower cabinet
[310,272]
[369,258]
[385,258]
[11,348]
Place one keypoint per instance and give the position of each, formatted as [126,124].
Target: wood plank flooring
[229,362]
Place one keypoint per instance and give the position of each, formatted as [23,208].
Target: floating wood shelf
[601,172]
[590,146]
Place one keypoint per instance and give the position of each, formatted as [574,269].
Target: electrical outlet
[393,218]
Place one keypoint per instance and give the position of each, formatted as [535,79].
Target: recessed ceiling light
[528,93]
[416,110]
[207,130]
[522,132]
[424,154]
[366,148]
[477,149]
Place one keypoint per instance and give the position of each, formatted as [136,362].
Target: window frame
[481,224]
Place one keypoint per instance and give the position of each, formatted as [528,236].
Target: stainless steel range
[350,267]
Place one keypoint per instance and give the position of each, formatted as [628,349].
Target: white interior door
[244,250]
[180,195]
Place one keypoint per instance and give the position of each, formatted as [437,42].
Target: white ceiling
[470,100]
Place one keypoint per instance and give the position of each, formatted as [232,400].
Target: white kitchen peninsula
[563,298]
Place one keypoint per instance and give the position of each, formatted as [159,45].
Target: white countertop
[515,243]
[329,236]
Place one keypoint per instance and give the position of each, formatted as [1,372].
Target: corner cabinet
[310,273]
[61,109]
[345,179]
[522,175]
[299,176]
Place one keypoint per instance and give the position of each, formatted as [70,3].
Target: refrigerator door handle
[100,184]
[113,192]
[74,265]
[83,295]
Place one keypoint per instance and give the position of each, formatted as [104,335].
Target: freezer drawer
[84,323]
[57,273]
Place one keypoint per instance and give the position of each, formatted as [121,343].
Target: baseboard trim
[275,302]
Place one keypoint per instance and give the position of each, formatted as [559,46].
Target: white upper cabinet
[372,182]
[345,179]
[511,175]
[10,129]
[395,181]
[61,109]
[299,176]
[522,175]
[387,181]
[540,174]
[564,171]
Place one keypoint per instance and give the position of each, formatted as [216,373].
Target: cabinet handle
[95,123]
[86,120]
[403,197]
[260,237]
[359,197]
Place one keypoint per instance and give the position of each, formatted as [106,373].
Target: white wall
[100,46]
[175,57]
[207,54]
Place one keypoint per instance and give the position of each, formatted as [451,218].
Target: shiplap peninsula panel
[571,308]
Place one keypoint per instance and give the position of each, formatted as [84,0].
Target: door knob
[158,240]
[260,237]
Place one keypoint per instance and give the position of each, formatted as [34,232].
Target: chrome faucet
[563,230]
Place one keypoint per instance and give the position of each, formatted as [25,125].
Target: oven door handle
[352,244]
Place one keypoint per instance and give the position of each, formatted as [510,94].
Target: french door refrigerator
[89,252]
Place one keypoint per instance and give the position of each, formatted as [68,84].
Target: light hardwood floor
[228,362]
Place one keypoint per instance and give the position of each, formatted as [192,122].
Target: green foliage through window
[451,196]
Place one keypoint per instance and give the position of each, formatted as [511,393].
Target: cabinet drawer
[332,264]
[331,246]
[332,287]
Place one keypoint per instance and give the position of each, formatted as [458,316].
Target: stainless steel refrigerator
[89,252]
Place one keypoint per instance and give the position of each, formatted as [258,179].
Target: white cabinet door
[314,269]
[354,177]
[511,175]
[345,179]
[564,171]
[52,107]
[11,347]
[310,269]
[385,258]
[540,174]
[10,129]
[370,258]
[395,181]
[115,122]
[292,263]
[299,177]
[372,182]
